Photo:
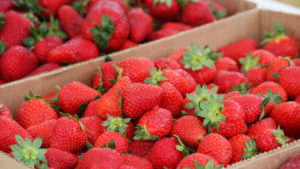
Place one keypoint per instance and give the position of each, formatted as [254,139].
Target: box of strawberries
[223,95]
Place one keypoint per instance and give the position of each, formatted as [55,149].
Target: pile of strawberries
[38,36]
[194,109]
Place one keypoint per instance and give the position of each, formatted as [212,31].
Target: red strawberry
[140,24]
[197,158]
[16,28]
[243,147]
[218,10]
[265,57]
[166,63]
[274,87]
[217,147]
[9,129]
[4,111]
[73,51]
[164,153]
[289,79]
[101,158]
[72,95]
[239,49]
[44,68]
[107,24]
[191,81]
[97,82]
[138,162]
[110,73]
[128,44]
[122,3]
[293,163]
[139,98]
[163,10]
[17,62]
[127,167]
[51,98]
[280,44]
[50,7]
[226,80]
[176,26]
[43,130]
[288,117]
[259,127]
[154,124]
[94,127]
[226,63]
[189,129]
[60,159]
[68,134]
[297,99]
[163,33]
[231,94]
[141,148]
[120,142]
[276,67]
[197,14]
[297,62]
[178,55]
[120,125]
[70,20]
[6,5]
[91,109]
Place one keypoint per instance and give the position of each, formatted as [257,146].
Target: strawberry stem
[156,76]
[250,149]
[117,124]
[142,133]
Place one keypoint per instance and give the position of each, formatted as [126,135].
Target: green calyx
[280,137]
[182,3]
[167,2]
[243,88]
[32,6]
[110,145]
[250,149]
[211,111]
[80,6]
[3,47]
[32,17]
[102,34]
[142,133]
[249,62]
[196,58]
[2,20]
[181,147]
[268,98]
[202,94]
[116,124]
[29,152]
[156,76]
[118,73]
[32,96]
[100,87]
[1,106]
[76,118]
[219,14]
[209,165]
[54,29]
[279,33]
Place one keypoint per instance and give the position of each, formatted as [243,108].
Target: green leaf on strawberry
[280,137]
[181,147]
[142,133]
[219,14]
[243,88]
[2,20]
[268,98]
[32,96]
[80,6]
[250,149]
[32,6]
[54,29]
[167,2]
[3,47]
[249,62]
[279,33]
[116,124]
[209,165]
[156,76]
[33,18]
[182,3]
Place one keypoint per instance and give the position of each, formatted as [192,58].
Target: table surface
[276,6]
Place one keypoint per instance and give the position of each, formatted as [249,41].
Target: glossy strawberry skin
[289,79]
[177,80]
[265,57]
[141,148]
[284,46]
[109,72]
[259,127]
[161,11]
[50,7]
[94,127]
[203,159]
[4,111]
[138,162]
[162,33]
[91,109]
[176,25]
[204,75]
[44,68]
[256,76]
[6,5]
[226,63]
[276,67]
[60,159]
[43,47]
[120,141]
[238,144]
[225,80]
[266,141]
[191,81]
[166,63]
[128,44]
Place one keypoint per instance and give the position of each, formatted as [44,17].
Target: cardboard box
[250,24]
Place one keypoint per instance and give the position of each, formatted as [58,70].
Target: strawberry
[73,51]
[110,73]
[140,24]
[217,147]
[231,94]
[127,167]
[140,148]
[128,44]
[106,24]
[112,138]
[154,124]
[72,95]
[51,98]
[101,158]
[280,44]
[194,160]
[287,116]
[137,69]
[189,129]
[277,66]
[297,99]
[164,153]
[138,162]
[60,159]
[10,128]
[297,62]
[6,5]
[50,7]
[243,147]
[290,80]
[176,26]
[120,125]
[178,55]
[16,63]
[265,57]
[226,80]
[139,98]
[166,63]
[197,14]
[122,3]
[44,68]
[163,10]
[293,163]
[15,29]
[43,130]
[91,109]
[239,49]
[70,20]
[218,10]
[191,81]
[68,134]
[259,127]
[270,139]
[163,33]
[94,126]
[43,47]
[226,63]
[4,111]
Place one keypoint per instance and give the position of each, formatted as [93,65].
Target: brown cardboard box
[250,24]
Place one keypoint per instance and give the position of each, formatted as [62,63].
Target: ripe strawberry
[43,130]
[106,24]
[154,124]
[43,47]
[164,153]
[111,137]
[162,33]
[70,20]
[226,63]
[277,66]
[141,148]
[138,162]
[163,10]
[122,3]
[120,125]
[297,99]
[60,159]
[259,127]
[166,63]
[72,95]
[10,128]
[289,79]
[287,116]
[139,98]
[195,159]
[297,62]
[239,49]
[137,69]
[68,134]
[189,129]
[231,94]
[217,147]
[6,5]
[97,82]
[50,7]
[17,62]
[16,28]
[128,44]
[218,10]
[226,80]
[176,25]
[191,81]
[4,111]
[293,163]
[140,24]
[127,167]
[73,51]
[280,44]
[44,68]
[101,158]
[91,109]
[94,127]
[178,55]
[51,98]
[243,147]
[265,57]
[270,139]
[110,73]
[197,14]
